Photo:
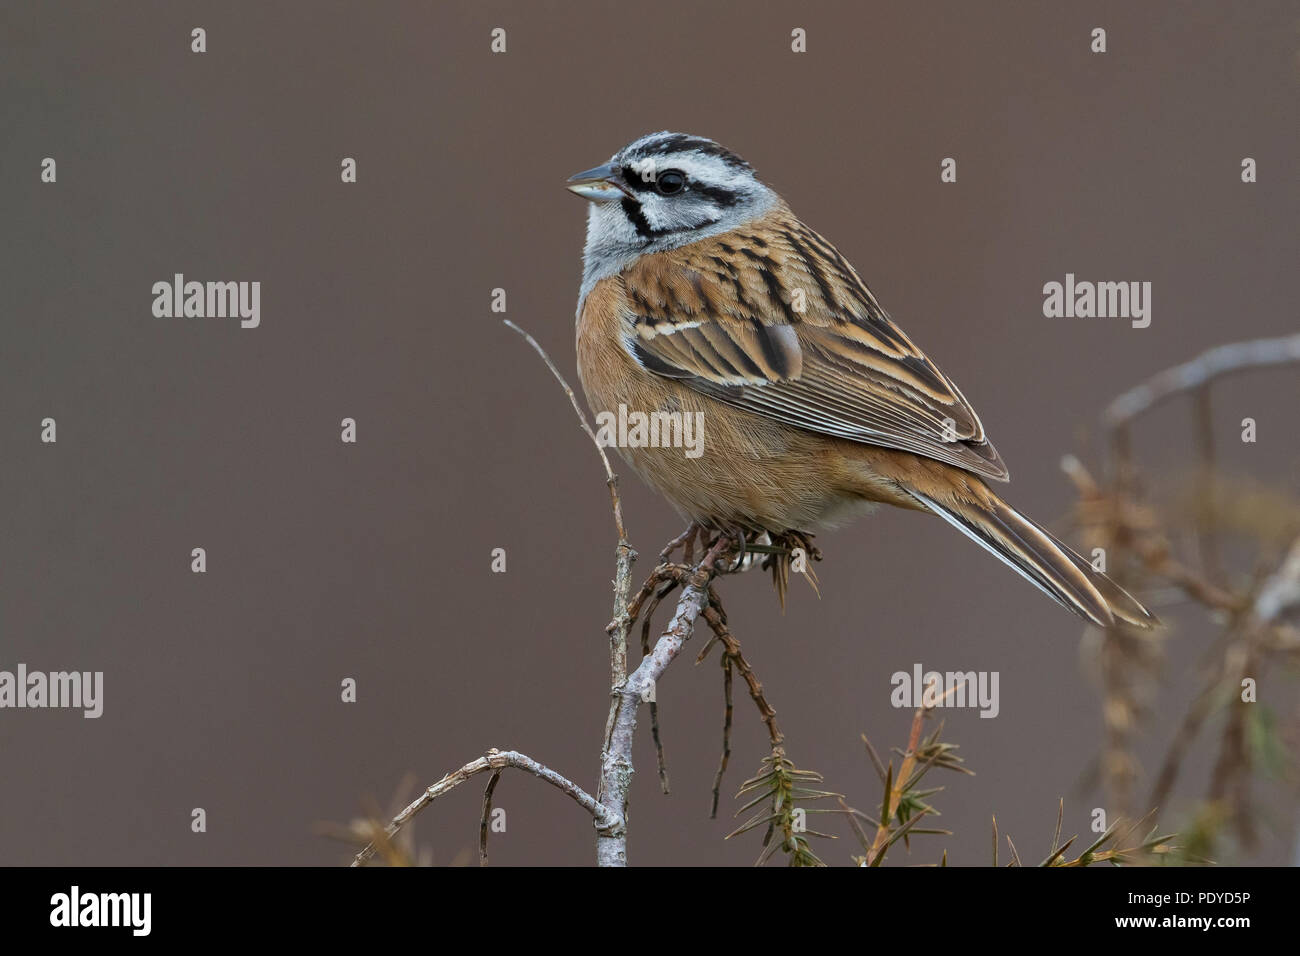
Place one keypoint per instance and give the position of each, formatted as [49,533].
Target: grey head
[662,191]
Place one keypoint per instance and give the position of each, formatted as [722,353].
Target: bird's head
[661,191]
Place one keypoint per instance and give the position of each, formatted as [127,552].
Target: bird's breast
[713,462]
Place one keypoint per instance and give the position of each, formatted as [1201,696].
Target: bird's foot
[715,557]
[733,542]
[685,541]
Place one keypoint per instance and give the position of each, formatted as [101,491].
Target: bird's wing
[774,321]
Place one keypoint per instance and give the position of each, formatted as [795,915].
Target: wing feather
[774,320]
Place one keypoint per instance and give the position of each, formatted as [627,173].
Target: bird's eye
[670,181]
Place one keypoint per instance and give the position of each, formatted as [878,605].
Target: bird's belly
[784,488]
[724,467]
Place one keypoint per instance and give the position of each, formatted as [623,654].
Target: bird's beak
[601,184]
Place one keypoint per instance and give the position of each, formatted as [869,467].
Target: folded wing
[776,322]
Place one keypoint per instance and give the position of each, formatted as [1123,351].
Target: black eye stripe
[720,196]
[641,183]
[633,179]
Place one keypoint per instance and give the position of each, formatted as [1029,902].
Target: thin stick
[610,478]
[616,758]
[737,657]
[1223,360]
[895,796]
[616,751]
[483,820]
[726,734]
[660,759]
[493,760]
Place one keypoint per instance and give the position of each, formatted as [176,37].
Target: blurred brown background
[371,561]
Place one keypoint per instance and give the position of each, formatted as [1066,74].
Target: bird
[704,295]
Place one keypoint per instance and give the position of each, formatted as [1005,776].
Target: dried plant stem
[1223,360]
[1134,541]
[726,735]
[1279,593]
[485,819]
[655,735]
[624,555]
[895,794]
[611,479]
[1132,525]
[718,622]
[494,760]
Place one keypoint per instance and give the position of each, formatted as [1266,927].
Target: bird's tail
[1040,557]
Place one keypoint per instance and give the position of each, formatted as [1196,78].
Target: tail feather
[1041,558]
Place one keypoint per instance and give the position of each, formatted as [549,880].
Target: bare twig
[611,479]
[1281,592]
[1223,360]
[494,760]
[717,621]
[660,759]
[726,734]
[616,765]
[484,820]
[616,759]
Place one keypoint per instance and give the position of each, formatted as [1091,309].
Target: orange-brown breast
[751,470]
